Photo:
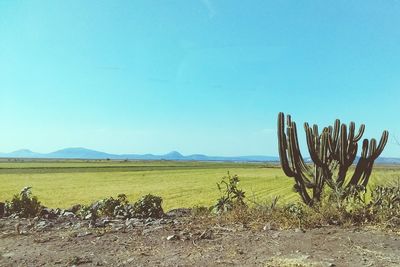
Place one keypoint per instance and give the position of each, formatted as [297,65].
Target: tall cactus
[332,151]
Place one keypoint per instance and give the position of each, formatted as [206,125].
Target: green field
[181,184]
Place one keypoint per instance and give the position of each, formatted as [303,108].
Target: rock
[207,234]
[117,227]
[163,221]
[2,208]
[178,213]
[58,211]
[129,261]
[77,225]
[172,237]
[83,234]
[275,235]
[270,226]
[41,225]
[8,255]
[74,209]
[48,213]
[149,221]
[134,222]
[68,214]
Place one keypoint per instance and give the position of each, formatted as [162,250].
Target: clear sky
[194,76]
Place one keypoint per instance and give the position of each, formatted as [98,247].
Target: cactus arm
[343,144]
[312,145]
[282,142]
[303,167]
[352,127]
[382,144]
[370,152]
[361,165]
[360,133]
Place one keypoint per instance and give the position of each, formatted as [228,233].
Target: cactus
[332,152]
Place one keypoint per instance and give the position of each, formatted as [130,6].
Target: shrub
[106,207]
[295,210]
[88,212]
[385,203]
[232,195]
[148,206]
[23,204]
[111,207]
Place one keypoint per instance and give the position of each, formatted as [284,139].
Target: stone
[48,213]
[8,255]
[130,260]
[182,212]
[74,209]
[172,237]
[270,226]
[83,234]
[133,222]
[275,235]
[68,214]
[117,227]
[43,225]
[149,220]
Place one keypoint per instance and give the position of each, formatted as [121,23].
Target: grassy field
[181,184]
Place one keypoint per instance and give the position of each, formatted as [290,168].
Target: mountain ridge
[85,153]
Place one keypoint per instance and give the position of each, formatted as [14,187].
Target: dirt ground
[186,243]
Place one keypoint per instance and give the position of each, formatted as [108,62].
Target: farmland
[181,184]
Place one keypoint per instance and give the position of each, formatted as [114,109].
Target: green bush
[295,210]
[110,206]
[385,203]
[23,204]
[148,206]
[232,196]
[106,207]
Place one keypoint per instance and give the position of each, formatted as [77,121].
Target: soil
[184,242]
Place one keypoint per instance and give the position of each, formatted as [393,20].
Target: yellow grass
[180,185]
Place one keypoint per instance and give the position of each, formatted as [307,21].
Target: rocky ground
[180,240]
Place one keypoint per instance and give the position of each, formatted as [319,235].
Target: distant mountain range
[84,153]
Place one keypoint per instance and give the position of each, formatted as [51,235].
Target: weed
[23,204]
[232,195]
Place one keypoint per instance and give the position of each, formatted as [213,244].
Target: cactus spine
[332,151]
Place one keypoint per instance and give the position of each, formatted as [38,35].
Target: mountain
[84,153]
[387,160]
[78,152]
[22,153]
[174,155]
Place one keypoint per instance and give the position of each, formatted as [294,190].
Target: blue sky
[194,76]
